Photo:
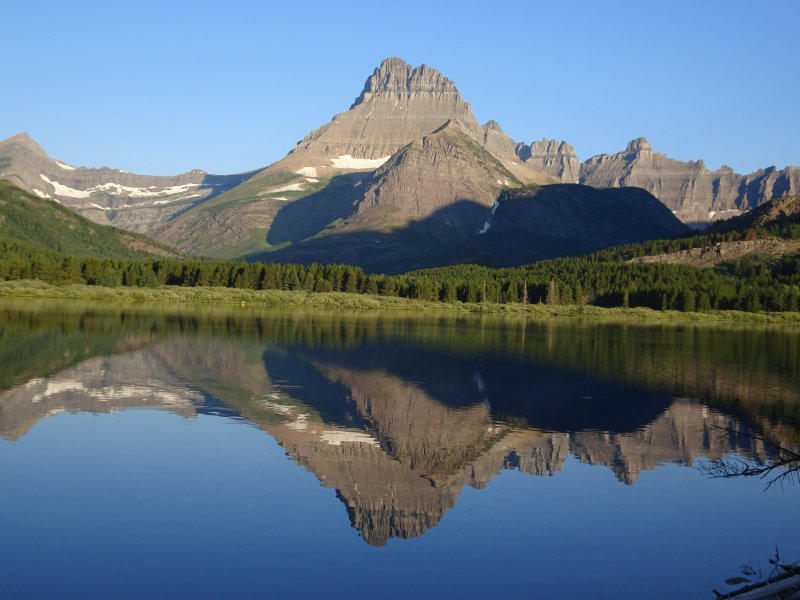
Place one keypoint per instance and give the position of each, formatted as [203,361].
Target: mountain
[692,192]
[398,104]
[108,196]
[429,175]
[554,157]
[444,199]
[778,222]
[325,176]
[47,224]
[408,154]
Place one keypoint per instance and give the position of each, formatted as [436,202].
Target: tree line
[600,279]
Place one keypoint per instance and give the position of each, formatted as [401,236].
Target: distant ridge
[694,193]
[108,196]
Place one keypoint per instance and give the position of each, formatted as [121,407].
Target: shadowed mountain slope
[524,225]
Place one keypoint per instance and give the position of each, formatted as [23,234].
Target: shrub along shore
[344,300]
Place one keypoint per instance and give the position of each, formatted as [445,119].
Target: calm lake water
[232,453]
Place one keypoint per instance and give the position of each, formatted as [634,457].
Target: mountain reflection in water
[400,414]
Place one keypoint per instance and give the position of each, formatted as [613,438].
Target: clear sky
[165,87]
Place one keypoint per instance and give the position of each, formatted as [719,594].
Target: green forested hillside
[47,224]
[603,279]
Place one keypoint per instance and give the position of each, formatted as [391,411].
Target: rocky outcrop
[710,256]
[554,157]
[695,194]
[108,196]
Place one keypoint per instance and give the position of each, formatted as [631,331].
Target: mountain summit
[399,104]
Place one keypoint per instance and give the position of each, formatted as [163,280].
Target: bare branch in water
[784,468]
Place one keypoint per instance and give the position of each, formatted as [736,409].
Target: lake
[180,451]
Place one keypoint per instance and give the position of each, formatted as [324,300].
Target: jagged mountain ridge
[785,209]
[107,196]
[694,193]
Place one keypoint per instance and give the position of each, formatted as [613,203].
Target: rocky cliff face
[554,157]
[107,196]
[390,125]
[431,174]
[399,104]
[692,192]
[314,188]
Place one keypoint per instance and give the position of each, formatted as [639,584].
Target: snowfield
[346,161]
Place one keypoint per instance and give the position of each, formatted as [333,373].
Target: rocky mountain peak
[552,156]
[397,79]
[546,146]
[399,103]
[24,140]
[640,144]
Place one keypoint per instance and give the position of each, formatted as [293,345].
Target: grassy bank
[341,300]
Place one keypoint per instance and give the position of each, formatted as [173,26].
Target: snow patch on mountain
[134,192]
[63,190]
[489,220]
[292,187]
[307,171]
[346,161]
[117,189]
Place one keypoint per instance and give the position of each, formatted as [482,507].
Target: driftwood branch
[783,468]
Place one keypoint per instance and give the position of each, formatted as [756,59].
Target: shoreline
[343,300]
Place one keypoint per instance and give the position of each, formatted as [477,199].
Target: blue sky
[165,87]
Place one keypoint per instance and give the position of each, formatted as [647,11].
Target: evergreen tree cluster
[600,279]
